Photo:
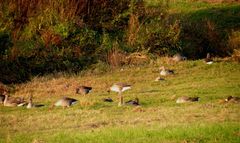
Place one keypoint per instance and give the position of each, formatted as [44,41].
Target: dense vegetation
[39,37]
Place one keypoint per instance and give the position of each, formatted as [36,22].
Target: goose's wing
[72,101]
[115,88]
[88,88]
[124,86]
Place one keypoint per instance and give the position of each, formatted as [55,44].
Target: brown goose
[64,102]
[83,90]
[233,99]
[178,58]
[159,79]
[119,88]
[185,99]
[208,60]
[133,102]
[12,102]
[31,105]
[165,72]
[107,99]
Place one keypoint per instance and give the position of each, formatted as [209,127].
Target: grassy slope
[158,119]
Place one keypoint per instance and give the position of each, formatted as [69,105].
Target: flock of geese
[117,87]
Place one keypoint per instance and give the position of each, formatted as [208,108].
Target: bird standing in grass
[119,88]
[83,90]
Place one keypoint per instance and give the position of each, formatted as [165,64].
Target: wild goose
[165,72]
[133,102]
[178,58]
[159,79]
[12,102]
[107,99]
[208,60]
[31,105]
[185,99]
[83,90]
[233,99]
[64,102]
[119,88]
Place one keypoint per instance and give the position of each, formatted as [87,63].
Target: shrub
[5,43]
[71,35]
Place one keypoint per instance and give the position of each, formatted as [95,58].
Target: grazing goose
[133,102]
[120,87]
[185,99]
[31,105]
[159,79]
[208,60]
[165,72]
[64,102]
[12,102]
[107,99]
[233,99]
[83,90]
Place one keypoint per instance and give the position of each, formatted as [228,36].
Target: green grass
[158,119]
[213,133]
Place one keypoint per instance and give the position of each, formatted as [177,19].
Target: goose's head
[30,98]
[137,100]
[208,55]
[228,98]
[5,93]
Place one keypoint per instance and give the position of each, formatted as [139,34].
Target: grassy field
[158,119]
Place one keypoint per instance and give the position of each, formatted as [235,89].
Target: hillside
[158,118]
[49,48]
[43,37]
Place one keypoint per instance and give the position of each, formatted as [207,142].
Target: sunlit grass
[158,118]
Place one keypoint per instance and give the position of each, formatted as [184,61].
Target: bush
[5,43]
[54,36]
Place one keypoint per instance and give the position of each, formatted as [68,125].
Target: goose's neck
[137,100]
[5,100]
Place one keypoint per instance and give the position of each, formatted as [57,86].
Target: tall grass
[41,37]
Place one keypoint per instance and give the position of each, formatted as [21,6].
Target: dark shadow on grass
[149,91]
